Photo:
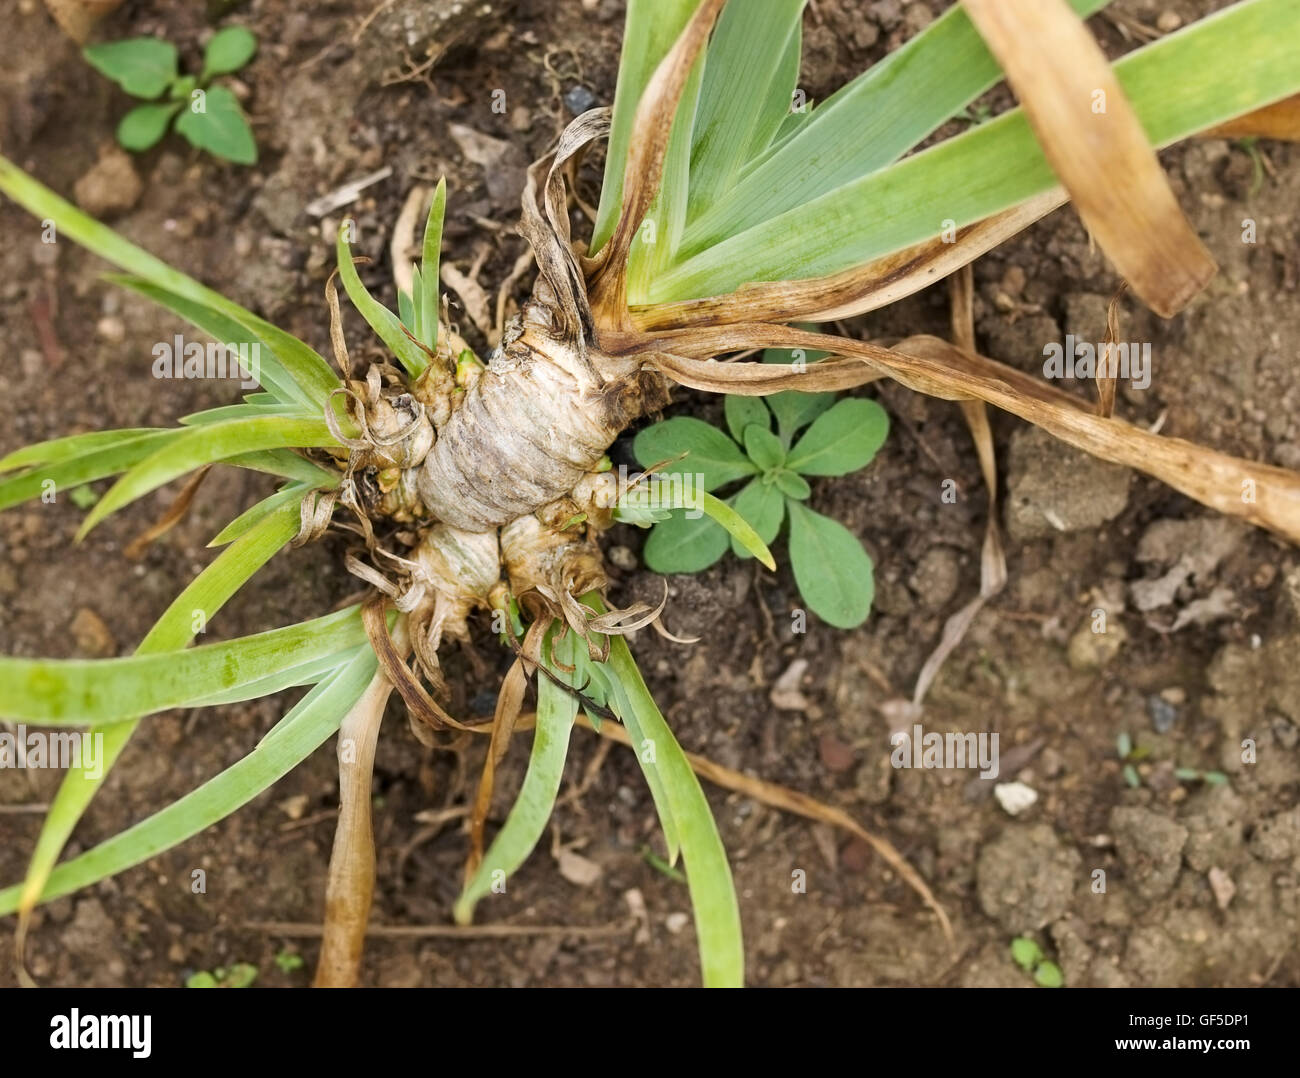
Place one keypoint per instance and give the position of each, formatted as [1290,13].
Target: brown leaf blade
[351,882]
[1280,120]
[1264,495]
[607,274]
[1095,143]
[864,288]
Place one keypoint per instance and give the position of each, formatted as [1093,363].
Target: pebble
[856,855]
[91,634]
[675,922]
[1014,797]
[1222,886]
[1163,714]
[111,329]
[579,100]
[786,694]
[836,756]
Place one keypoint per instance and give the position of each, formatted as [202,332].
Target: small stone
[856,855]
[1168,21]
[579,100]
[91,634]
[636,907]
[1014,797]
[836,756]
[1264,576]
[111,328]
[1222,886]
[1163,714]
[676,921]
[786,694]
[578,870]
[112,185]
[295,807]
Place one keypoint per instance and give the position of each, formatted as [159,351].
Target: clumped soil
[1203,617]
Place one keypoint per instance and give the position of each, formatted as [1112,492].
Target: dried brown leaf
[1107,377]
[607,273]
[351,881]
[1280,120]
[510,701]
[993,561]
[865,288]
[1095,143]
[179,507]
[1262,494]
[78,17]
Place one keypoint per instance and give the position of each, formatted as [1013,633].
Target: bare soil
[1203,617]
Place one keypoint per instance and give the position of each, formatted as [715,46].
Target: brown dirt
[1224,374]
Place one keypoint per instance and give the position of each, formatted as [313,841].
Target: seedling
[1029,956]
[660,865]
[832,570]
[83,497]
[975,115]
[208,116]
[1191,774]
[288,961]
[240,975]
[1130,756]
[1251,146]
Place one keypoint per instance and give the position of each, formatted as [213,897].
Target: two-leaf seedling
[1029,956]
[1130,755]
[834,573]
[209,116]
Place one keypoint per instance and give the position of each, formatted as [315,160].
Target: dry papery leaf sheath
[471,470]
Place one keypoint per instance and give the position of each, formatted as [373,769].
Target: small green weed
[834,573]
[1029,956]
[240,975]
[208,116]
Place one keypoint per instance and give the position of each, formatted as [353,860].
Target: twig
[305,930]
